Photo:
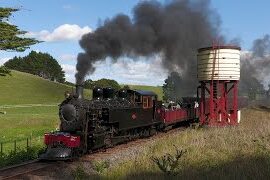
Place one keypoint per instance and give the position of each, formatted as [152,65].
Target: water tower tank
[218,63]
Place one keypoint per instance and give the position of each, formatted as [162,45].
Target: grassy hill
[23,88]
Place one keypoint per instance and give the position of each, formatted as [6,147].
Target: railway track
[24,169]
[124,148]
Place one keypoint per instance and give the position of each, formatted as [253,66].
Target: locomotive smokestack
[79,91]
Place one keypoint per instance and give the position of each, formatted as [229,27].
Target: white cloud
[125,71]
[70,71]
[3,60]
[68,57]
[61,33]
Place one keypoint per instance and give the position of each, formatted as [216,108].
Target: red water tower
[218,73]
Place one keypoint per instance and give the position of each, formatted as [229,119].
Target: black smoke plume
[174,30]
[255,66]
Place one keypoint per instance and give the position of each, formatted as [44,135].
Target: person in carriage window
[137,98]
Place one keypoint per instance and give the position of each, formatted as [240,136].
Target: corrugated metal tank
[227,63]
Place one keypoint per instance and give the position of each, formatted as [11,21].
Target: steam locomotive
[110,118]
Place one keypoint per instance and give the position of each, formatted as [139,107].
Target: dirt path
[27,105]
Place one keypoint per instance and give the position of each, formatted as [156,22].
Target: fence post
[27,144]
[15,146]
[1,144]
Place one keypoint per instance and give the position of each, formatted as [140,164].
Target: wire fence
[20,150]
[14,146]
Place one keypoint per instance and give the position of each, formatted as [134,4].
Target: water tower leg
[202,104]
[222,99]
[235,101]
[211,102]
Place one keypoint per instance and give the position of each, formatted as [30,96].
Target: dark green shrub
[19,156]
[79,173]
[169,163]
[100,166]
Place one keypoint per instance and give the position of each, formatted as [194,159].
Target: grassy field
[29,107]
[21,123]
[241,152]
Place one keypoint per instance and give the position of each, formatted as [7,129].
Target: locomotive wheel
[152,131]
[146,132]
[108,141]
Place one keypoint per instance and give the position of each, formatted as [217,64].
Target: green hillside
[23,88]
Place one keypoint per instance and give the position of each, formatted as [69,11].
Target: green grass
[21,92]
[22,123]
[23,88]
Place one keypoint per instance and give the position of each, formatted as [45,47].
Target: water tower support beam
[235,101]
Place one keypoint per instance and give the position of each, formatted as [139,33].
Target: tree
[11,37]
[107,83]
[4,71]
[102,83]
[89,84]
[41,64]
[172,88]
[126,87]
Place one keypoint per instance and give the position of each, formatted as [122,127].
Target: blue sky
[50,20]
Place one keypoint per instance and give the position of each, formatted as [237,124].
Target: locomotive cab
[144,99]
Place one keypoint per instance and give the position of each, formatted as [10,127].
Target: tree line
[103,83]
[40,64]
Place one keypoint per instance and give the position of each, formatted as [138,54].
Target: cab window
[147,102]
[137,98]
